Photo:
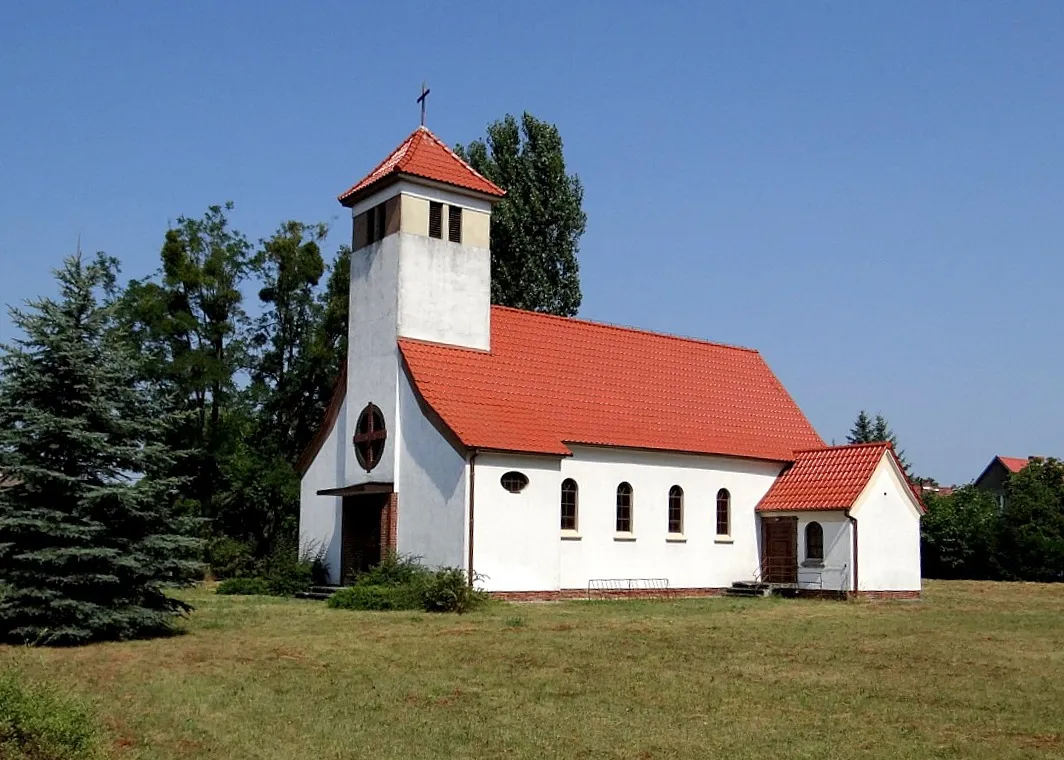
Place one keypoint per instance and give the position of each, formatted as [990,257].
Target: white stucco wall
[432,489]
[519,545]
[444,292]
[888,532]
[319,516]
[373,353]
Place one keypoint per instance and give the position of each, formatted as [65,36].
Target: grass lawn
[976,670]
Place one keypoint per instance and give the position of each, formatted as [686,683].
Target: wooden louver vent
[454,224]
[435,219]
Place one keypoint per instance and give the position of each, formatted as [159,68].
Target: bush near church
[403,583]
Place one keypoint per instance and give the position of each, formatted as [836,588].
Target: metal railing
[617,588]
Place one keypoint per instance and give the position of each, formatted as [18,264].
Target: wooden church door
[779,549]
[361,532]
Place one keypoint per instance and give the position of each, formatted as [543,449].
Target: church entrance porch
[779,550]
[367,532]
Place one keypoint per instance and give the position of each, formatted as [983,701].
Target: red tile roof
[831,477]
[422,154]
[1014,464]
[549,381]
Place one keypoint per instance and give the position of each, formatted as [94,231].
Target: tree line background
[967,533]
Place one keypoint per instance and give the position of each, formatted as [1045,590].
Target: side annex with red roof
[545,455]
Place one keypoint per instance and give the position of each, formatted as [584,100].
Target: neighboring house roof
[830,477]
[1013,464]
[551,381]
[423,155]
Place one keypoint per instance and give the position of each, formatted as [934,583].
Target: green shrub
[36,724]
[448,590]
[286,569]
[395,570]
[245,586]
[403,583]
[229,558]
[366,597]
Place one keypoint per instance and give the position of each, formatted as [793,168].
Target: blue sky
[872,195]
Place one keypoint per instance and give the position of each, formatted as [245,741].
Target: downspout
[853,522]
[472,490]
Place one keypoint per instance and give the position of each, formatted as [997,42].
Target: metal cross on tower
[421,99]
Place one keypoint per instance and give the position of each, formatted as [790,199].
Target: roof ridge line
[456,157]
[835,447]
[628,328]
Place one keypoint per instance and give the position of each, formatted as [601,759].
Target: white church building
[546,455]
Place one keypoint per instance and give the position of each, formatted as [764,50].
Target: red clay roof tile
[422,154]
[1014,464]
[831,477]
[549,381]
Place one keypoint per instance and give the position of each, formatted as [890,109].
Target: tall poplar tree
[536,228]
[88,540]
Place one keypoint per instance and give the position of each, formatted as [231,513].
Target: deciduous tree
[536,228]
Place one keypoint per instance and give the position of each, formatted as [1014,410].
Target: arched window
[624,508]
[814,542]
[723,512]
[570,496]
[675,510]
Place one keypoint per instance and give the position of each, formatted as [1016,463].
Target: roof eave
[349,198]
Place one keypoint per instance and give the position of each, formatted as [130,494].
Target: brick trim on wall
[582,593]
[685,593]
[389,524]
[886,595]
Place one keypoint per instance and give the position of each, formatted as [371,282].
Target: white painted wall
[516,535]
[432,488]
[319,516]
[444,292]
[373,353]
[519,545]
[888,532]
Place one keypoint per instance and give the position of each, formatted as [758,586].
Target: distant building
[925,486]
[997,473]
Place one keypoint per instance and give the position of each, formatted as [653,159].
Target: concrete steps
[749,589]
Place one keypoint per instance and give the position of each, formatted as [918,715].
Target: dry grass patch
[973,671]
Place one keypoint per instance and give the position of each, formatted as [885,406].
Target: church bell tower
[420,270]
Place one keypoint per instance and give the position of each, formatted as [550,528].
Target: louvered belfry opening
[435,219]
[454,224]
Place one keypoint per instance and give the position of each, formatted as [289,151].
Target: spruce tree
[868,430]
[88,543]
[861,432]
[881,432]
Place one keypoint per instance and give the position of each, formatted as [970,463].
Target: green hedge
[366,597]
[36,724]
